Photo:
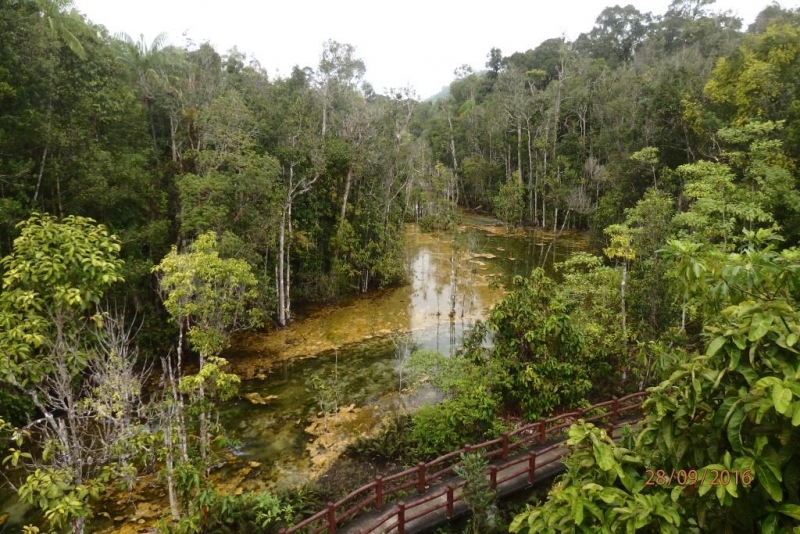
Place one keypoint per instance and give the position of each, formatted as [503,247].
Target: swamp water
[360,345]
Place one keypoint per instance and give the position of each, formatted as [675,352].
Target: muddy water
[360,345]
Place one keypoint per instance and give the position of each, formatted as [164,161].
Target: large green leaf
[781,398]
[715,345]
[734,429]
[765,476]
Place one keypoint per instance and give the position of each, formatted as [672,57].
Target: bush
[261,512]
[509,203]
[455,422]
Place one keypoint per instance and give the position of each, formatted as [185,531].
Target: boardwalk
[423,496]
[432,505]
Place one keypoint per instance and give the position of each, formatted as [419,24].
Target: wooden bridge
[424,494]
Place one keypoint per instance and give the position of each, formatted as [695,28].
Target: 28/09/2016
[691,477]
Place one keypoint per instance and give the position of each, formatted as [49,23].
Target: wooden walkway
[430,493]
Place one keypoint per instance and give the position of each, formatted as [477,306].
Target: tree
[208,297]
[734,408]
[621,248]
[53,282]
[495,63]
[617,33]
[75,362]
[66,25]
[338,69]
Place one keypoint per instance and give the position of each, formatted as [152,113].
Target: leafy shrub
[393,443]
[477,492]
[455,422]
[215,513]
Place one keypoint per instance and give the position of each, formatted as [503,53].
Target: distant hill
[440,95]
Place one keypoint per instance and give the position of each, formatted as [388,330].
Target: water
[363,342]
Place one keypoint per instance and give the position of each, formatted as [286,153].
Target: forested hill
[309,177]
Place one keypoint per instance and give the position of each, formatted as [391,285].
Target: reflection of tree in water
[402,350]
[462,281]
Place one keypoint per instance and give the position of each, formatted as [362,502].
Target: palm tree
[63,22]
[148,63]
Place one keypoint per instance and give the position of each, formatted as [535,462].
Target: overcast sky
[402,42]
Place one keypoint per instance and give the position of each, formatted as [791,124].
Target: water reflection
[365,341]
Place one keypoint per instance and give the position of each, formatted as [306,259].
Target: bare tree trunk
[289,266]
[325,108]
[622,286]
[519,150]
[344,199]
[173,130]
[452,141]
[182,437]
[281,281]
[204,417]
[169,444]
[58,196]
[41,173]
[531,185]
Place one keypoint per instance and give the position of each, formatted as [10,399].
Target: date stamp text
[691,477]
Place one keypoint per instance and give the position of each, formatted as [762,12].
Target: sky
[402,42]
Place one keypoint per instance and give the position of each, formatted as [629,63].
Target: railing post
[542,433]
[613,420]
[493,476]
[378,492]
[449,502]
[331,518]
[401,518]
[532,467]
[505,446]
[421,477]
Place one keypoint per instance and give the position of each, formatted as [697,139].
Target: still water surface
[364,342]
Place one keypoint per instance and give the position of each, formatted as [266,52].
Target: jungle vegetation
[155,199]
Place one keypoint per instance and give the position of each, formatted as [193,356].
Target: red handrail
[422,476]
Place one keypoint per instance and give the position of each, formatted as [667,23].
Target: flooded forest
[231,298]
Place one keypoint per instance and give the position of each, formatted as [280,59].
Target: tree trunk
[519,150]
[325,108]
[288,275]
[182,436]
[344,199]
[169,445]
[452,142]
[41,173]
[281,281]
[622,285]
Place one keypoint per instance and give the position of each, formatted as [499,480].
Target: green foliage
[477,491]
[217,513]
[393,443]
[469,411]
[540,347]
[57,272]
[509,204]
[604,490]
[207,293]
[733,408]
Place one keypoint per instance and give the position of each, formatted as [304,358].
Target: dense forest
[154,200]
